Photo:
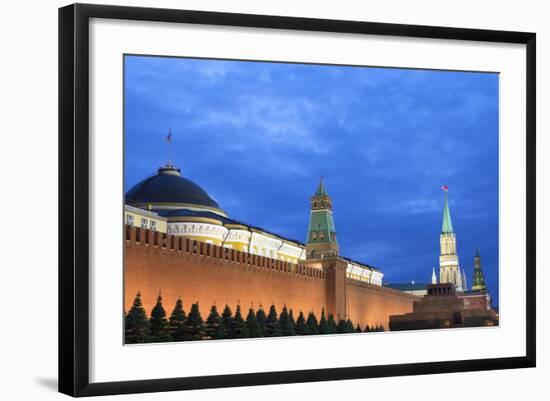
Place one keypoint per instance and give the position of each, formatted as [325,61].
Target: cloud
[418,206]
[369,250]
[267,121]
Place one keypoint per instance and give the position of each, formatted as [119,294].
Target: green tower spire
[321,191]
[321,234]
[478,281]
[447,226]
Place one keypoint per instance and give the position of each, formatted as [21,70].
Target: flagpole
[170,162]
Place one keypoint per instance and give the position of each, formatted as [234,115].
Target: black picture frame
[74,198]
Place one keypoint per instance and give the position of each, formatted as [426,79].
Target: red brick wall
[230,277]
[373,304]
[205,273]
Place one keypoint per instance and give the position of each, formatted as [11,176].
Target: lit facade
[478,298]
[449,267]
[184,209]
[145,219]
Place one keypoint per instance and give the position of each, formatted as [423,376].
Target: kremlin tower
[321,233]
[449,268]
[478,281]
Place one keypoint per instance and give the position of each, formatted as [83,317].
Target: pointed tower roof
[321,191]
[459,285]
[478,279]
[447,226]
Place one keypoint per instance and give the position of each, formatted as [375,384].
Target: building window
[153,225]
[144,223]
[129,219]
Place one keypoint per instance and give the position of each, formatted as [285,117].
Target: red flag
[445,188]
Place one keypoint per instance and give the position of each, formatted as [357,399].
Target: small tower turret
[321,234]
[478,280]
[434,277]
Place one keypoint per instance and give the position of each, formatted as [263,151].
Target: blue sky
[257,136]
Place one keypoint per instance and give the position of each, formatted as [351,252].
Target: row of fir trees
[181,326]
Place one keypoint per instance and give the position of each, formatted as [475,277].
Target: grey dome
[168,186]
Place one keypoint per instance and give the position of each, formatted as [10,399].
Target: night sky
[257,136]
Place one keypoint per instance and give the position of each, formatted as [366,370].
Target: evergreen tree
[136,323]
[301,326]
[237,328]
[194,325]
[312,324]
[382,328]
[323,324]
[177,322]
[214,329]
[254,328]
[292,320]
[331,324]
[160,331]
[227,319]
[358,329]
[285,324]
[367,329]
[272,323]
[342,327]
[351,328]
[262,320]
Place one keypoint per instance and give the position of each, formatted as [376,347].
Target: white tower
[434,277]
[449,268]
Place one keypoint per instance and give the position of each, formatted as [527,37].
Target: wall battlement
[381,289]
[162,242]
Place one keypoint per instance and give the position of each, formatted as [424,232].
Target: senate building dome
[169,203]
[168,190]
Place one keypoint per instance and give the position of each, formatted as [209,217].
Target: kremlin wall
[208,274]
[179,242]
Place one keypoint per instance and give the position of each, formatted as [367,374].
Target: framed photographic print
[251,199]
